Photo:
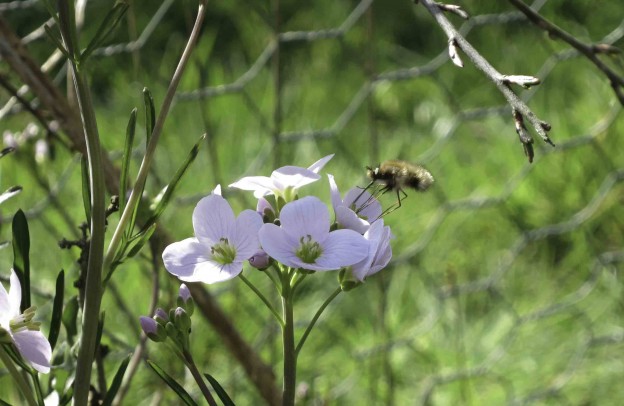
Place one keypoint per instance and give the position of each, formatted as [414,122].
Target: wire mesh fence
[504,287]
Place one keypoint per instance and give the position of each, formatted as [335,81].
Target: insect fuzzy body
[399,175]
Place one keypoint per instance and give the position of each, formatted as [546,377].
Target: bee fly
[397,175]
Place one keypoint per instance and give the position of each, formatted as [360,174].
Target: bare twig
[591,51]
[502,82]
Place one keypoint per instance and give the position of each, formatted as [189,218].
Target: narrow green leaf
[10,192]
[116,384]
[69,318]
[106,27]
[138,241]
[125,160]
[221,393]
[163,199]
[177,388]
[21,252]
[67,396]
[86,188]
[6,151]
[51,10]
[57,309]
[67,25]
[56,40]
[150,114]
[3,403]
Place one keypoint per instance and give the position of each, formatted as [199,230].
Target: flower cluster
[295,232]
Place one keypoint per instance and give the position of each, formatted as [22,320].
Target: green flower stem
[263,298]
[315,319]
[17,376]
[288,338]
[93,285]
[37,385]
[198,378]
[151,146]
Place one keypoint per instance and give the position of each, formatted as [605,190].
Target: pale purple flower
[24,332]
[221,243]
[357,210]
[304,240]
[283,181]
[379,251]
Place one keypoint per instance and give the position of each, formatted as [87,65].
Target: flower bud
[154,331]
[182,320]
[266,210]
[260,260]
[185,300]
[347,280]
[161,316]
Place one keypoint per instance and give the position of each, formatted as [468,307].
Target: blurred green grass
[468,313]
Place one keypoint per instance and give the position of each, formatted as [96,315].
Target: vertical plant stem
[151,146]
[17,377]
[93,286]
[290,354]
[198,378]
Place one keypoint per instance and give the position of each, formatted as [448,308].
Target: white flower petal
[183,258]
[334,192]
[15,294]
[245,237]
[5,308]
[293,176]
[211,272]
[342,248]
[261,184]
[213,219]
[217,190]
[318,165]
[35,348]
[379,253]
[276,242]
[348,219]
[306,217]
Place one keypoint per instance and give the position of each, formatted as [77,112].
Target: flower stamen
[223,252]
[309,250]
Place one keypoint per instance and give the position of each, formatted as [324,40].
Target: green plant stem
[151,146]
[37,385]
[93,285]
[315,319]
[263,298]
[17,377]
[288,338]
[198,378]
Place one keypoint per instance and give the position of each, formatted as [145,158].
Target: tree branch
[591,51]
[502,82]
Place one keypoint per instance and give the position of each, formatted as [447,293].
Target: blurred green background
[504,287]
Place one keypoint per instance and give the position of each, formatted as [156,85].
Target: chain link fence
[504,288]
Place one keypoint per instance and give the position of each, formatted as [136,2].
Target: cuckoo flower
[304,241]
[357,210]
[283,181]
[22,330]
[379,251]
[221,243]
